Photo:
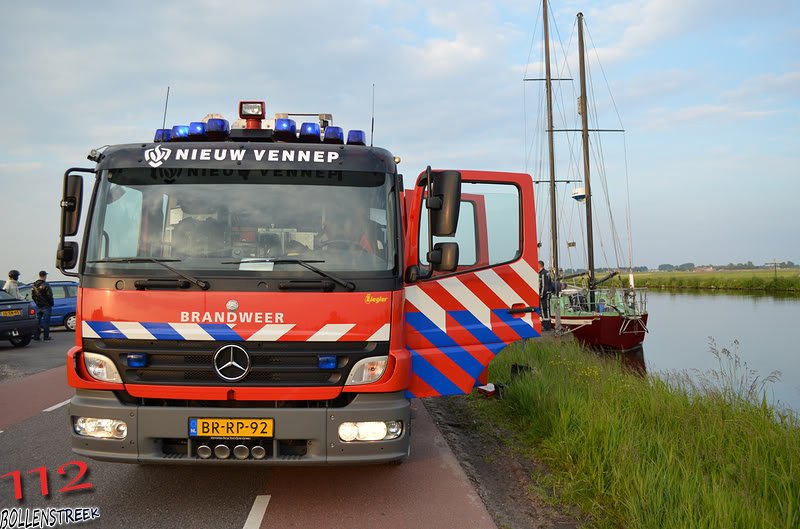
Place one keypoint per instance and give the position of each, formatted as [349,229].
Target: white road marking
[51,408]
[257,512]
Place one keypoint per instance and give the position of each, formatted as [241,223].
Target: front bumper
[302,436]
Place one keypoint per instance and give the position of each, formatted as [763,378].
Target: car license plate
[205,427]
[9,313]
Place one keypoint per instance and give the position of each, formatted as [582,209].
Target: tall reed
[645,451]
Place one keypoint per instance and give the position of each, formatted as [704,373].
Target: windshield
[242,221]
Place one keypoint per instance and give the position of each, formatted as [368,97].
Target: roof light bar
[252,112]
[217,129]
[180,133]
[356,137]
[197,128]
[334,135]
[309,132]
[162,135]
[285,130]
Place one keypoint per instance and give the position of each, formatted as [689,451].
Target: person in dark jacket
[43,297]
[545,291]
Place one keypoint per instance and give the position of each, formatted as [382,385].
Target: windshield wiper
[349,285]
[204,285]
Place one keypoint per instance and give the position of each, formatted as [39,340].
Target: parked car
[65,297]
[17,320]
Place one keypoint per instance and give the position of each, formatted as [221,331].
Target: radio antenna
[372,130]
[164,122]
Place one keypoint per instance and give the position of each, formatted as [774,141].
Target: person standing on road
[12,285]
[43,297]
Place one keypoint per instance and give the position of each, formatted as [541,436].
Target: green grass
[644,452]
[752,280]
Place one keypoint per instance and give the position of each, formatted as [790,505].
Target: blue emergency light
[217,127]
[137,359]
[356,137]
[197,128]
[327,361]
[309,132]
[180,132]
[334,135]
[162,135]
[285,129]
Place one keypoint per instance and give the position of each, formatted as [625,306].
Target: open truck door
[458,316]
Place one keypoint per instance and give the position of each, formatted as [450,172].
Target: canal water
[767,329]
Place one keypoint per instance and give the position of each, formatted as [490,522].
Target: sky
[706,91]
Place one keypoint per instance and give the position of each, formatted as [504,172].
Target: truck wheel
[70,321]
[20,341]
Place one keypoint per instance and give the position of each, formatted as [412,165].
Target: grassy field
[634,451]
[754,280]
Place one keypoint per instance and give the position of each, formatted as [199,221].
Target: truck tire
[20,341]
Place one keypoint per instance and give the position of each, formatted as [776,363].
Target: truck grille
[172,362]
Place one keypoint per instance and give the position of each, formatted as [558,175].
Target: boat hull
[609,331]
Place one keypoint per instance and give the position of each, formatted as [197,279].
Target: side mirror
[71,204]
[444,202]
[67,255]
[444,257]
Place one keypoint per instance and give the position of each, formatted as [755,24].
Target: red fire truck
[272,294]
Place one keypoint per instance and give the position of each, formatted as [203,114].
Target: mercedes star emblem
[232,305]
[232,363]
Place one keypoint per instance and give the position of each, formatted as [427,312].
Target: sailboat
[594,312]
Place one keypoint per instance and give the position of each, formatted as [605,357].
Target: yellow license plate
[11,313]
[202,427]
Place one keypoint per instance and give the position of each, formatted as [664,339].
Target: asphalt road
[429,490]
[16,362]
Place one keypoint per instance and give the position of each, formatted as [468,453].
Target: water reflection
[633,360]
[760,327]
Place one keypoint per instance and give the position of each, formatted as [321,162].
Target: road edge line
[51,408]
[257,512]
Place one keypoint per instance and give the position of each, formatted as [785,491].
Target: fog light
[394,429]
[370,431]
[100,428]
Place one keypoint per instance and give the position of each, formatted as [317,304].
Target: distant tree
[666,268]
[685,267]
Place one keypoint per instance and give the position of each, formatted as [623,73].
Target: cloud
[447,76]
[766,87]
[660,118]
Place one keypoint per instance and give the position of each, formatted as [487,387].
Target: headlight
[367,370]
[100,428]
[370,431]
[101,367]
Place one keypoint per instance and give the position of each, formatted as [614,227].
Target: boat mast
[553,216]
[583,110]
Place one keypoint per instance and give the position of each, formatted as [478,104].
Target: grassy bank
[756,280]
[636,451]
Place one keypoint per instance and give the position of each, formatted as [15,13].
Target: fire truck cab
[275,295]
